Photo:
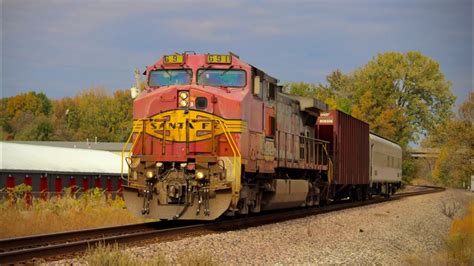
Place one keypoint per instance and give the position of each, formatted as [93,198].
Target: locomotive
[214,136]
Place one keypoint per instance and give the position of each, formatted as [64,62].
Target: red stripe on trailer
[119,186]
[58,184]
[72,184]
[97,182]
[43,184]
[85,183]
[44,187]
[109,184]
[10,181]
[28,182]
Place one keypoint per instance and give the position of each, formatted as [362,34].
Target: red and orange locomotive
[213,136]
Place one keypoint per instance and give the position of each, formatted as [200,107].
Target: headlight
[199,175]
[159,164]
[183,98]
[183,95]
[183,165]
[150,174]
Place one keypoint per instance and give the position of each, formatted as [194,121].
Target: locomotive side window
[167,77]
[221,77]
[270,129]
[271,92]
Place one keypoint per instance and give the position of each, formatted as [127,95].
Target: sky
[62,47]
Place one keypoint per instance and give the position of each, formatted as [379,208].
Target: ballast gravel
[378,234]
[385,233]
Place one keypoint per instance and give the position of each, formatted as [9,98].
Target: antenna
[137,77]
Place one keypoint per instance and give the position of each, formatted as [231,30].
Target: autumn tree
[401,96]
[455,140]
[25,116]
[65,119]
[93,113]
[109,118]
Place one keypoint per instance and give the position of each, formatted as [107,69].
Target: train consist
[214,136]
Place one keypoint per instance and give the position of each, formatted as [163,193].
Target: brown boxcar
[349,147]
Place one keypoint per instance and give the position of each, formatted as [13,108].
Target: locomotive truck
[214,136]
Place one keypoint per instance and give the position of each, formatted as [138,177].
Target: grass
[459,244]
[21,215]
[113,255]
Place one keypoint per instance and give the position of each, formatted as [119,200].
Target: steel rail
[26,248]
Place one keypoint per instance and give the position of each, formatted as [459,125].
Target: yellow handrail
[133,145]
[330,165]
[237,155]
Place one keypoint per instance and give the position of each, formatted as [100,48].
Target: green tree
[121,115]
[455,140]
[39,128]
[19,114]
[65,119]
[402,95]
[95,113]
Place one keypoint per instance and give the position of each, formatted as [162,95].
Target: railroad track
[24,249]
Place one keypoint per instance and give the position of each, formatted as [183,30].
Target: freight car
[214,136]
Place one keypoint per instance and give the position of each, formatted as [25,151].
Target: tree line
[402,96]
[94,113]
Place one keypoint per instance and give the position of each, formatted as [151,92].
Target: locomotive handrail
[319,140]
[236,152]
[330,166]
[125,146]
[140,128]
[317,156]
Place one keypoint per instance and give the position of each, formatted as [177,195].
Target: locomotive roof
[46,159]
[309,103]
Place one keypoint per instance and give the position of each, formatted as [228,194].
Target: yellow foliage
[442,156]
[459,245]
[465,225]
[460,242]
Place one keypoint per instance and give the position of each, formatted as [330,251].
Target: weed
[450,209]
[22,215]
[112,255]
[107,255]
[459,244]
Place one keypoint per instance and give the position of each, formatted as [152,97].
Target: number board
[219,59]
[173,59]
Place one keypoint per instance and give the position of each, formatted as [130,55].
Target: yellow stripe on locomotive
[191,125]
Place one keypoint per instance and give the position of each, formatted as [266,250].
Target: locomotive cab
[186,137]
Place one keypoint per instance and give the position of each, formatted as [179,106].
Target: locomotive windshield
[167,77]
[221,77]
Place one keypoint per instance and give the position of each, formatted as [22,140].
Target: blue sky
[62,47]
